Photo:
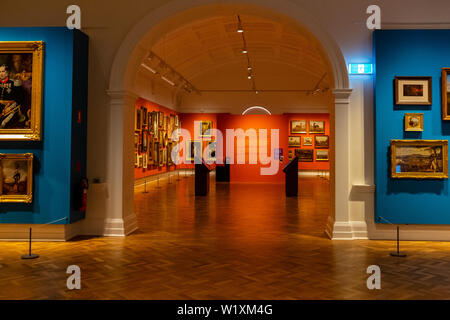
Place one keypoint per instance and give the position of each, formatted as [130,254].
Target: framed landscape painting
[294,141]
[298,126]
[21,83]
[419,159]
[16,176]
[308,141]
[413,91]
[322,155]
[305,155]
[316,126]
[321,142]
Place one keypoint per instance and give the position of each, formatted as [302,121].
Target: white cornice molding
[342,96]
[122,96]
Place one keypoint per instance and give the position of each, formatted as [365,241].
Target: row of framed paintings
[320,141]
[307,155]
[418,91]
[16,176]
[300,126]
[153,138]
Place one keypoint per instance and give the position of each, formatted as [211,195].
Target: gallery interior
[269,149]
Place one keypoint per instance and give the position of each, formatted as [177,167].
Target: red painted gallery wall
[244,172]
[152,170]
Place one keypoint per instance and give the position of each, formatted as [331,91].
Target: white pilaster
[120,219]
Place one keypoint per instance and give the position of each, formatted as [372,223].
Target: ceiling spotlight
[256,92]
[249,77]
[244,51]
[240,30]
[249,68]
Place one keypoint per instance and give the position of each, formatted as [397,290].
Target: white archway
[121,219]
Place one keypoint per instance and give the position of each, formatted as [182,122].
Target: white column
[120,218]
[340,227]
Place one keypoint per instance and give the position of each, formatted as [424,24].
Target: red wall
[152,170]
[316,165]
[244,172]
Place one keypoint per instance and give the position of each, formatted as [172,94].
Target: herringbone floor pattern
[243,241]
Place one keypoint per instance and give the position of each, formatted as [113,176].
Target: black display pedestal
[291,171]
[201,179]
[223,172]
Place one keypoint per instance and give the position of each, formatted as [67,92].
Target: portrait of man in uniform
[21,90]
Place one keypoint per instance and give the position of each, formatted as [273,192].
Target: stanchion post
[145,186]
[30,255]
[398,253]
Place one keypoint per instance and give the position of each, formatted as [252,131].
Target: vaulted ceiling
[208,53]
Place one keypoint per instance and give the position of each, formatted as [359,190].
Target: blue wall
[409,53]
[52,167]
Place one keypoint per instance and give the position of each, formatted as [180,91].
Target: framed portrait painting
[21,83]
[298,126]
[205,125]
[419,159]
[413,91]
[193,150]
[16,176]
[445,89]
[413,121]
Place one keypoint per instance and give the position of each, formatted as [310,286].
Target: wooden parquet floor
[243,241]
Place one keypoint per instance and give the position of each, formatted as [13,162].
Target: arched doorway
[134,50]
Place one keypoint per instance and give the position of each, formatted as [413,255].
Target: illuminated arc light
[147,67]
[167,80]
[258,108]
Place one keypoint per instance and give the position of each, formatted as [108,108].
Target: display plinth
[202,171]
[223,172]
[291,172]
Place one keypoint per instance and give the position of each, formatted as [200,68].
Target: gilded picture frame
[14,168]
[294,141]
[445,91]
[21,65]
[205,125]
[322,155]
[419,159]
[414,122]
[413,91]
[298,126]
[321,141]
[316,126]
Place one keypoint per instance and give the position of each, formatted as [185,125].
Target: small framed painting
[413,91]
[140,161]
[194,150]
[419,159]
[294,141]
[316,126]
[305,155]
[298,126]
[138,120]
[204,127]
[413,121]
[308,141]
[322,155]
[16,176]
[321,142]
[144,161]
[210,146]
[445,89]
